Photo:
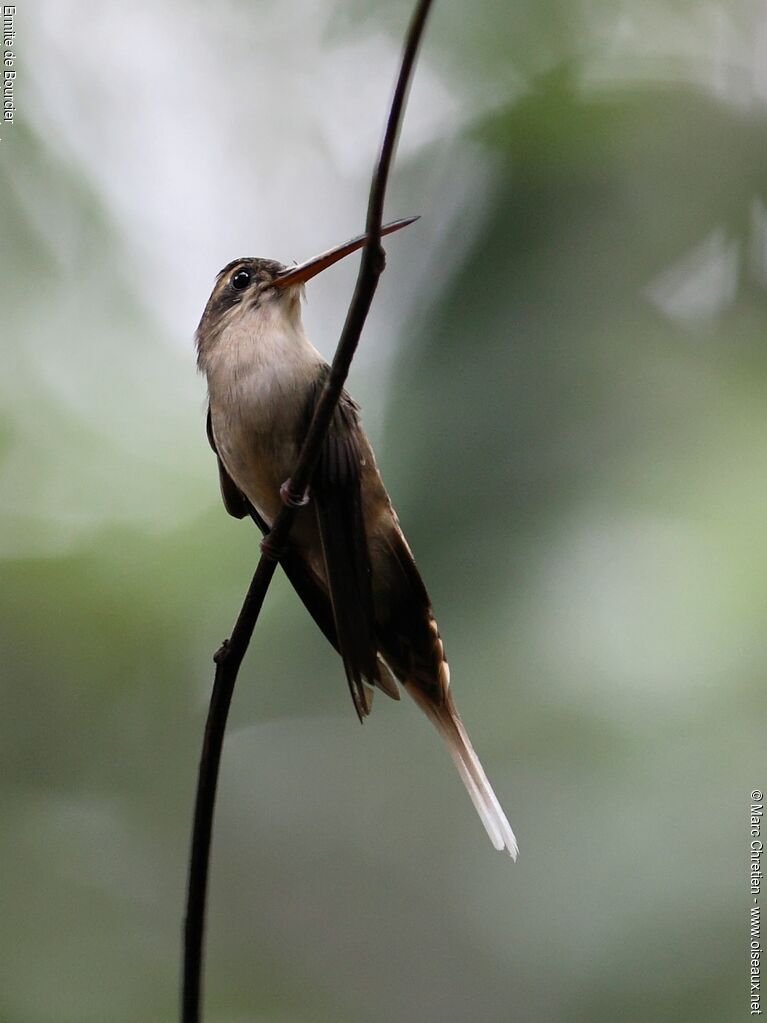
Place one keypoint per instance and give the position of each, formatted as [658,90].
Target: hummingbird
[347,557]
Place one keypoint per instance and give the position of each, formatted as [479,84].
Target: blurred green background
[564,376]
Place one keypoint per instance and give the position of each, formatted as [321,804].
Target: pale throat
[261,350]
[260,374]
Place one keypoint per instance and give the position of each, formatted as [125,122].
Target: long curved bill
[305,271]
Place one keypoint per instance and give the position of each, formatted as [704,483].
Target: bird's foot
[290,498]
[272,550]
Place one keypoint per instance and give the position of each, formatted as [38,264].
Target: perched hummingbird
[347,557]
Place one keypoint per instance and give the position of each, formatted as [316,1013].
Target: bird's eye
[241,279]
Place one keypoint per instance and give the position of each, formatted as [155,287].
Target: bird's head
[249,286]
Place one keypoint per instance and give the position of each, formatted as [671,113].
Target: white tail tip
[448,723]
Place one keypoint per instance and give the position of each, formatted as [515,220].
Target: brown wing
[235,502]
[314,598]
[337,499]
[408,634]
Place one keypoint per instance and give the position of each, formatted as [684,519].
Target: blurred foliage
[573,429]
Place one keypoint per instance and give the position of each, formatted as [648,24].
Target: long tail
[447,721]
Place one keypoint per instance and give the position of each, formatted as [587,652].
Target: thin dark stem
[228,660]
[229,657]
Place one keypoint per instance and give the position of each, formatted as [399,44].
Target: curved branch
[229,657]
